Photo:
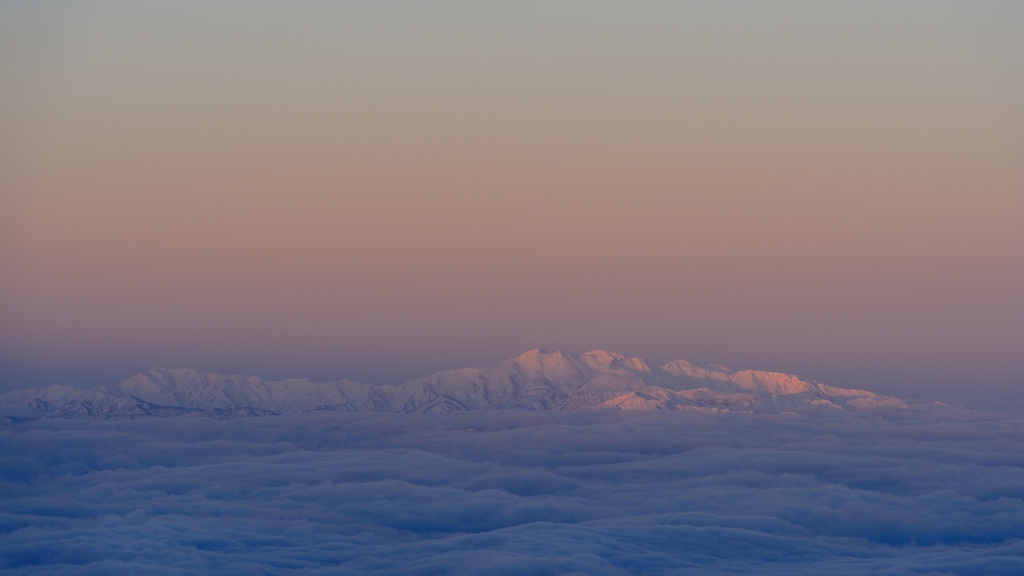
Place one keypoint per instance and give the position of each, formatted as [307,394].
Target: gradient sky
[381,190]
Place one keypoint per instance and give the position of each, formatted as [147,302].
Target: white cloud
[516,493]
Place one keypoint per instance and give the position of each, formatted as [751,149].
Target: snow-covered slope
[537,380]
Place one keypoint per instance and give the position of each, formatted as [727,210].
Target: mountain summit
[536,380]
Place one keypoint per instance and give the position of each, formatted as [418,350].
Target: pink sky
[379,192]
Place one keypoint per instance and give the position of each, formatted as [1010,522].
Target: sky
[381,190]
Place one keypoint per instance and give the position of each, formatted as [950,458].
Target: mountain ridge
[538,379]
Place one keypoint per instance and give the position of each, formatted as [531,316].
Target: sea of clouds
[517,493]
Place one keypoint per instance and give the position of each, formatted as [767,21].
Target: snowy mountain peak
[558,365]
[551,366]
[612,361]
[689,369]
[535,380]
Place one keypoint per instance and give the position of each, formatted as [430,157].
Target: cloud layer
[517,493]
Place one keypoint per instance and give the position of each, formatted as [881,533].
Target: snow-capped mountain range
[537,380]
